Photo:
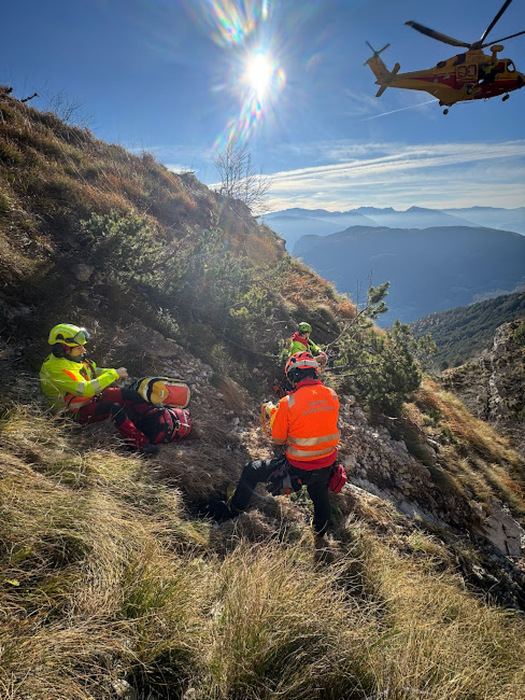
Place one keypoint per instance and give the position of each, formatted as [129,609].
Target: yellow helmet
[68,334]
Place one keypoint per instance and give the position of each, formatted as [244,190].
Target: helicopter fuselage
[472,75]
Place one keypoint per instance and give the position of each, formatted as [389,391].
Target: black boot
[220,510]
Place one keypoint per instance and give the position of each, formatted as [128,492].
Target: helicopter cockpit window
[441,64]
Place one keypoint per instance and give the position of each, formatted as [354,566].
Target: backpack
[338,478]
[165,424]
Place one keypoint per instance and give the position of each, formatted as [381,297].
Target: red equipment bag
[166,391]
[165,424]
[338,478]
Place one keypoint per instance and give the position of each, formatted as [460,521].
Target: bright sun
[259,70]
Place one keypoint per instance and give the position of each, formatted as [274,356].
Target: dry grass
[106,581]
[480,459]
[284,629]
[438,640]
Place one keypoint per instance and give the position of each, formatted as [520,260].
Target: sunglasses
[80,338]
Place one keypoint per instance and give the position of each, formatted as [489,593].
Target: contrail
[402,109]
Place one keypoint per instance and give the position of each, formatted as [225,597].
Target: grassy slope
[108,578]
[107,581]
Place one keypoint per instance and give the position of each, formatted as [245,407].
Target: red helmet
[301,361]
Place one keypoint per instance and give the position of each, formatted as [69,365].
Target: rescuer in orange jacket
[305,422]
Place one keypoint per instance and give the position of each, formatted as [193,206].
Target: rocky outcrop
[493,387]
[420,488]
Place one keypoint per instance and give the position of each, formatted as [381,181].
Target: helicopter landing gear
[505,97]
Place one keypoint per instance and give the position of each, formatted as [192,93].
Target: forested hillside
[116,579]
[464,332]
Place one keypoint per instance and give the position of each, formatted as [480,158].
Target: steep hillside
[429,269]
[93,233]
[463,333]
[116,582]
[493,385]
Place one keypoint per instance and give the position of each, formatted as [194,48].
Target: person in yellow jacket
[301,342]
[306,424]
[75,384]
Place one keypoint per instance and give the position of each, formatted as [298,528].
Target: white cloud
[180,168]
[350,174]
[431,175]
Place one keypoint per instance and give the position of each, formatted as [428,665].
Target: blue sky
[170,78]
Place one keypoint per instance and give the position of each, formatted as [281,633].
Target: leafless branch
[238,179]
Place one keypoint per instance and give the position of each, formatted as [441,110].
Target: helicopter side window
[510,67]
[460,58]
[441,64]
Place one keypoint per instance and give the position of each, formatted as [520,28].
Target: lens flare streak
[243,29]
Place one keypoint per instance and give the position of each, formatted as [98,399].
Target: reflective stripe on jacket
[306,421]
[69,384]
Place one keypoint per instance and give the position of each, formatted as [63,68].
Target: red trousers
[121,405]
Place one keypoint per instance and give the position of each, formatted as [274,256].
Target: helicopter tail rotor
[381,72]
[376,53]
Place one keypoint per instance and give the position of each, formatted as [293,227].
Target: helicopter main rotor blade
[511,36]
[438,35]
[491,25]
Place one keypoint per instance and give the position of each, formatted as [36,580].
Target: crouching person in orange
[306,423]
[72,382]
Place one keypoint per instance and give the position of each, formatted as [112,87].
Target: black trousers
[316,482]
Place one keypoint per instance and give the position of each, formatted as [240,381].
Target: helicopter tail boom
[381,72]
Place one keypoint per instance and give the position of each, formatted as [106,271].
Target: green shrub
[10,154]
[519,334]
[123,247]
[380,368]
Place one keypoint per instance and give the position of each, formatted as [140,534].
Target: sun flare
[259,71]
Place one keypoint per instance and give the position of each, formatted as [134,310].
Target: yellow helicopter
[472,75]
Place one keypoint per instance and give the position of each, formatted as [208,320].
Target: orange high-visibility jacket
[306,422]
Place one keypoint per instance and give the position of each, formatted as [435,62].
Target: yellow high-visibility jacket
[69,384]
[298,346]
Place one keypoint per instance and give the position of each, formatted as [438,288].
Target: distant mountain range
[430,269]
[292,224]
